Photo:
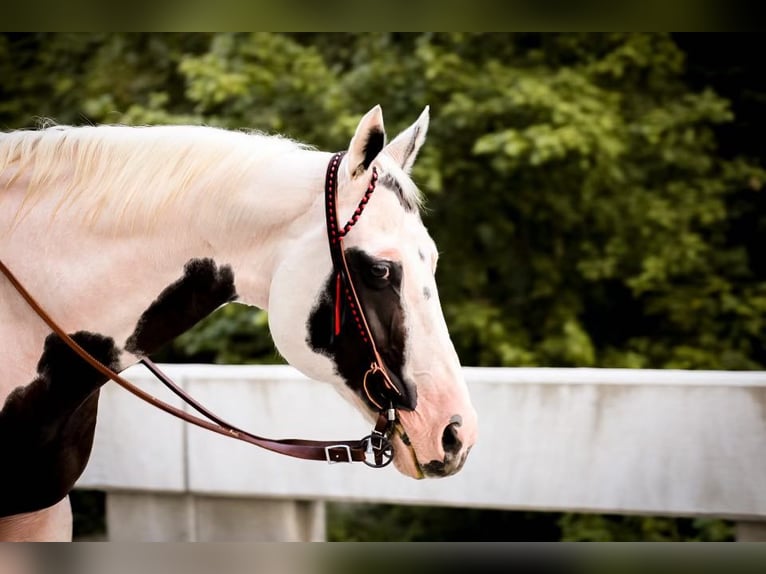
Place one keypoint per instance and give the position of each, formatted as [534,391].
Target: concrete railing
[687,443]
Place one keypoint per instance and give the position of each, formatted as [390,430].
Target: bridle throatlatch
[374,450]
[346,298]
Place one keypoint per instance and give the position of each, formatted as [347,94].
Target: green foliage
[388,523]
[88,514]
[575,189]
[607,528]
[232,334]
[585,213]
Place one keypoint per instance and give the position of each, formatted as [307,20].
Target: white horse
[130,235]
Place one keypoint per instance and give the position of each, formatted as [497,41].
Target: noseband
[374,450]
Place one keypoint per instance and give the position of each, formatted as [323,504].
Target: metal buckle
[377,441]
[382,451]
[343,447]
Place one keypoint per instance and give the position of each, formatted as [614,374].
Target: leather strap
[335,235]
[330,451]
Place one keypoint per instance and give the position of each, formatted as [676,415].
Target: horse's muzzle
[454,454]
[449,466]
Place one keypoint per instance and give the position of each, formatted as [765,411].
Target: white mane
[124,169]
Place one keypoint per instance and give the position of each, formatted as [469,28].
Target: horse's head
[392,261]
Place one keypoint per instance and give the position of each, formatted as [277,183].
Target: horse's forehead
[391,228]
[398,183]
[407,240]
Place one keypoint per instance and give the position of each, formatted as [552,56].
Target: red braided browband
[336,235]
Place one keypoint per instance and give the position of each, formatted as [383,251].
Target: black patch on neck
[376,139]
[47,427]
[201,290]
[381,300]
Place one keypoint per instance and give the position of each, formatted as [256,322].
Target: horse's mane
[120,168]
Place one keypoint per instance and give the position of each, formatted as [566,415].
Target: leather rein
[374,450]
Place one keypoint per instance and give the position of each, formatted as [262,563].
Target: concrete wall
[595,440]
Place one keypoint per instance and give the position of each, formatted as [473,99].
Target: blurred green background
[596,198]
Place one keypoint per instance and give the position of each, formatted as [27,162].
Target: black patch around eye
[383,309]
[47,427]
[201,290]
[376,139]
[421,255]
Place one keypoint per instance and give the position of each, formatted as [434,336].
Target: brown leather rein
[375,449]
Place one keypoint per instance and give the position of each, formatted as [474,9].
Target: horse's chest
[47,426]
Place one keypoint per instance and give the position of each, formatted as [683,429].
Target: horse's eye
[380,270]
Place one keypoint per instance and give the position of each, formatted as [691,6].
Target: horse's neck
[93,279]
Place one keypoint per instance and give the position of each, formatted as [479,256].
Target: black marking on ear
[410,146]
[47,427]
[376,139]
[382,304]
[201,290]
[426,293]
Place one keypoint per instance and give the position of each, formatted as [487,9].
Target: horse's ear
[404,148]
[368,141]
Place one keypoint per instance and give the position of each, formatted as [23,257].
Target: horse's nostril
[450,440]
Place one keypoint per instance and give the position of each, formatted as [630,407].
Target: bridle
[345,285]
[375,449]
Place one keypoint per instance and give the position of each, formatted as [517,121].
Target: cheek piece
[377,383]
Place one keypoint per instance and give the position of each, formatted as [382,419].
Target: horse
[129,236]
